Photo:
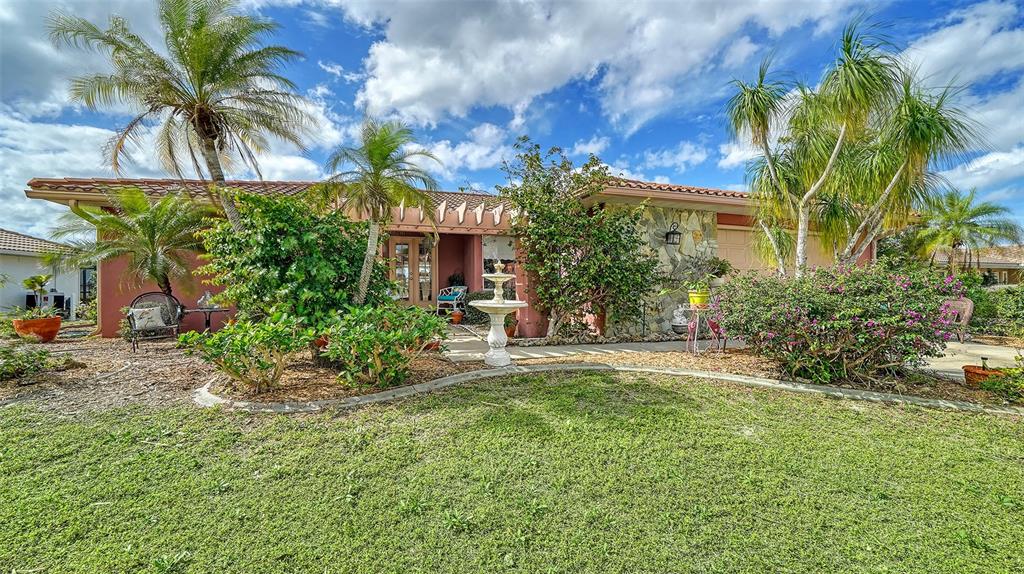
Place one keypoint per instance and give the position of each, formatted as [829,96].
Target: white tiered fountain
[496,309]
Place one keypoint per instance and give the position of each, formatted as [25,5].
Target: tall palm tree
[216,94]
[376,176]
[955,221]
[919,131]
[789,182]
[753,109]
[156,238]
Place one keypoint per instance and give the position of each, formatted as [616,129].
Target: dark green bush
[842,324]
[473,315]
[253,353]
[374,345]
[1010,385]
[290,259]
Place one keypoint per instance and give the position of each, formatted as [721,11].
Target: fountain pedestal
[497,308]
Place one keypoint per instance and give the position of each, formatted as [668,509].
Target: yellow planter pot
[699,298]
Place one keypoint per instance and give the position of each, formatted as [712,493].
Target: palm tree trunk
[780,262]
[217,175]
[872,220]
[372,240]
[165,285]
[804,207]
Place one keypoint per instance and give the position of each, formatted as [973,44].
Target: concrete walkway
[469,345]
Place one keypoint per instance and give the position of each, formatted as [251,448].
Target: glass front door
[411,260]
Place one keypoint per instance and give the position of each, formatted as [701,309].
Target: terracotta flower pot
[510,330]
[43,329]
[456,317]
[432,346]
[974,374]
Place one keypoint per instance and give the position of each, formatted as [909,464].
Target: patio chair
[452,298]
[153,315]
[964,309]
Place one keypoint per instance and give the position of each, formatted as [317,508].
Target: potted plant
[511,322]
[699,292]
[718,268]
[41,322]
[457,316]
[974,374]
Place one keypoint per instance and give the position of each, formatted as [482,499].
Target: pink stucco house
[473,231]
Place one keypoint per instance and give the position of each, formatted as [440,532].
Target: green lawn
[557,473]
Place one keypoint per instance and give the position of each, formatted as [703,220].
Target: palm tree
[955,221]
[37,285]
[788,183]
[216,94]
[379,174]
[753,109]
[922,129]
[156,238]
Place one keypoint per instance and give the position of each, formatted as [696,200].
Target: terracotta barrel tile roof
[21,243]
[682,189]
[158,187]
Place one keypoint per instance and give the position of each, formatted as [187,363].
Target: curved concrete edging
[205,398]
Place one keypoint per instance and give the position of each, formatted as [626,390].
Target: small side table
[207,313]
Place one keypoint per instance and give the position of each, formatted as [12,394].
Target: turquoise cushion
[448,298]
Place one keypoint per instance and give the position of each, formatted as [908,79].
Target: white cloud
[484,149]
[442,58]
[738,52]
[989,170]
[331,68]
[621,168]
[679,158]
[34,75]
[975,43]
[734,154]
[594,145]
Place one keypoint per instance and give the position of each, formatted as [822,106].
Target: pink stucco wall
[451,249]
[473,262]
[117,290]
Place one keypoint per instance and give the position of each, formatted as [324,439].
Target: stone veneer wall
[699,231]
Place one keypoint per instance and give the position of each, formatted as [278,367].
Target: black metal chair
[171,311]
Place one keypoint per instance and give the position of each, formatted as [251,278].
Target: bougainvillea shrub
[855,323]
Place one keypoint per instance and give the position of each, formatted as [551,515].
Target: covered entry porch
[423,264]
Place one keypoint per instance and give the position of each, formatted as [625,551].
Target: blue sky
[641,84]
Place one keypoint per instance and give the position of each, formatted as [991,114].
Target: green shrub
[7,327]
[87,311]
[1010,385]
[474,316]
[16,362]
[842,324]
[290,259]
[1009,313]
[253,353]
[374,345]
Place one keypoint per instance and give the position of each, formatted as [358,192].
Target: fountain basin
[496,355]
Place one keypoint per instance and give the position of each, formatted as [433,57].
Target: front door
[413,269]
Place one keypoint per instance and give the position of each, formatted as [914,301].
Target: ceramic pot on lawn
[44,329]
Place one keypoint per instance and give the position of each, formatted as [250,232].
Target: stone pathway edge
[205,398]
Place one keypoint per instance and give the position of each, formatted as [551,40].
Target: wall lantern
[672,235]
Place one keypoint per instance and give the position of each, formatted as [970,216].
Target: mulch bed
[112,376]
[305,381]
[741,362]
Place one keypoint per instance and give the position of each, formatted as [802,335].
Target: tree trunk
[217,175]
[780,262]
[372,240]
[554,323]
[165,285]
[868,228]
[804,208]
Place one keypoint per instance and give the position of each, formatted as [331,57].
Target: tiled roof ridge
[5,242]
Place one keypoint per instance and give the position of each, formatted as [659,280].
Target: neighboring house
[1005,264]
[473,231]
[21,256]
